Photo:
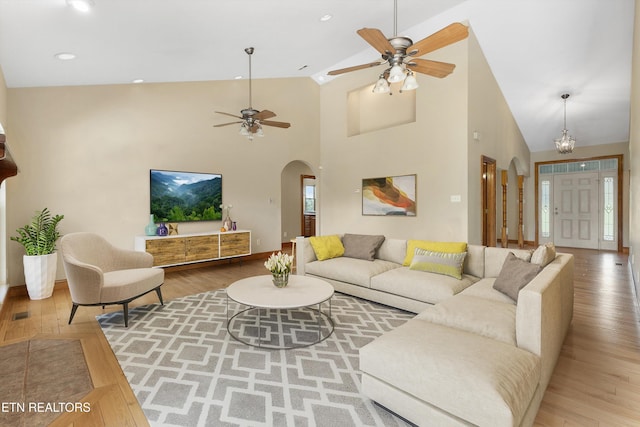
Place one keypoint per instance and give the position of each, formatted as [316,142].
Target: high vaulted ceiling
[537,49]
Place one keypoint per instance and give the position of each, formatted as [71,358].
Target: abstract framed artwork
[391,195]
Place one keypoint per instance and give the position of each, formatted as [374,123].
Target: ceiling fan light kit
[381,86]
[566,142]
[252,120]
[401,54]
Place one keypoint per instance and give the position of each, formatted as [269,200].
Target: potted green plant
[40,260]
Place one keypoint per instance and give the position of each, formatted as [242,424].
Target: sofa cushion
[483,381]
[450,247]
[515,275]
[474,261]
[361,246]
[349,270]
[393,250]
[484,289]
[494,259]
[544,254]
[449,264]
[327,247]
[419,285]
[489,318]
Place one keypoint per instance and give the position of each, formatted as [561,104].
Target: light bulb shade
[259,131]
[565,143]
[396,74]
[381,86]
[410,83]
[243,130]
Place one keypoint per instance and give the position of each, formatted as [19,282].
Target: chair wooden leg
[159,292]
[125,307]
[73,312]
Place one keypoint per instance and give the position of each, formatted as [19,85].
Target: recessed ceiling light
[325,18]
[65,56]
[80,5]
[137,81]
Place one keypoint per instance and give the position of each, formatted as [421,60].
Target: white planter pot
[40,274]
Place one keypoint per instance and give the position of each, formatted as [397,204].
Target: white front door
[575,210]
[578,203]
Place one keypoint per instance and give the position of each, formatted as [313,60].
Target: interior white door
[575,210]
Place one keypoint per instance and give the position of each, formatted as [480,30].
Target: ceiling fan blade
[432,68]
[229,114]
[375,38]
[275,124]
[264,114]
[354,68]
[227,124]
[446,36]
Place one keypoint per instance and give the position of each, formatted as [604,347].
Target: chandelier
[566,142]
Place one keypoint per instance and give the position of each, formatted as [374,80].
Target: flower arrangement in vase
[280,266]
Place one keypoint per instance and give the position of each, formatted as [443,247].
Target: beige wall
[634,157]
[433,147]
[438,147]
[3,100]
[499,139]
[86,151]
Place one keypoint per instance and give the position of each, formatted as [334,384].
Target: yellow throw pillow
[327,247]
[447,247]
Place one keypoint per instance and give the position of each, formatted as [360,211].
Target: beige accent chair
[98,273]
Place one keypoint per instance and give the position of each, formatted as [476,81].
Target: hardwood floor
[596,381]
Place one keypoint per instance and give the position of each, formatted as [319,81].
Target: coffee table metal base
[320,315]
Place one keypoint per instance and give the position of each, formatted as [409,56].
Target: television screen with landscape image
[185,196]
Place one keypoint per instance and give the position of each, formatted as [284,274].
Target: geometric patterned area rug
[186,370]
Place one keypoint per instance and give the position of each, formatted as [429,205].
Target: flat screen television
[185,196]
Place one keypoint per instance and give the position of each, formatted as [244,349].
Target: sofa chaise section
[450,366]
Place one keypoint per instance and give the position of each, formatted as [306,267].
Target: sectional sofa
[482,347]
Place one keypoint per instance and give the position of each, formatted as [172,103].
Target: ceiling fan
[401,54]
[251,120]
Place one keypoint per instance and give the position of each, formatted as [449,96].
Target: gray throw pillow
[361,246]
[515,275]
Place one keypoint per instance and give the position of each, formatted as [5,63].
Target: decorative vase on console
[162,230]
[150,229]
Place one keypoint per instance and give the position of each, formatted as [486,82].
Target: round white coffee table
[275,306]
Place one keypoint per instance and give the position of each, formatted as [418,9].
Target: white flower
[279,263]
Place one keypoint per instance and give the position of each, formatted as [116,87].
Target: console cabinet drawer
[166,251]
[201,247]
[235,244]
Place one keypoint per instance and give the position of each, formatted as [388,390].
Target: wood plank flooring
[596,381]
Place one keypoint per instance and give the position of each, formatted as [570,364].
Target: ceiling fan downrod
[249,52]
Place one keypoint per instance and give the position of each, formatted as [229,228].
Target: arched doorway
[294,177]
